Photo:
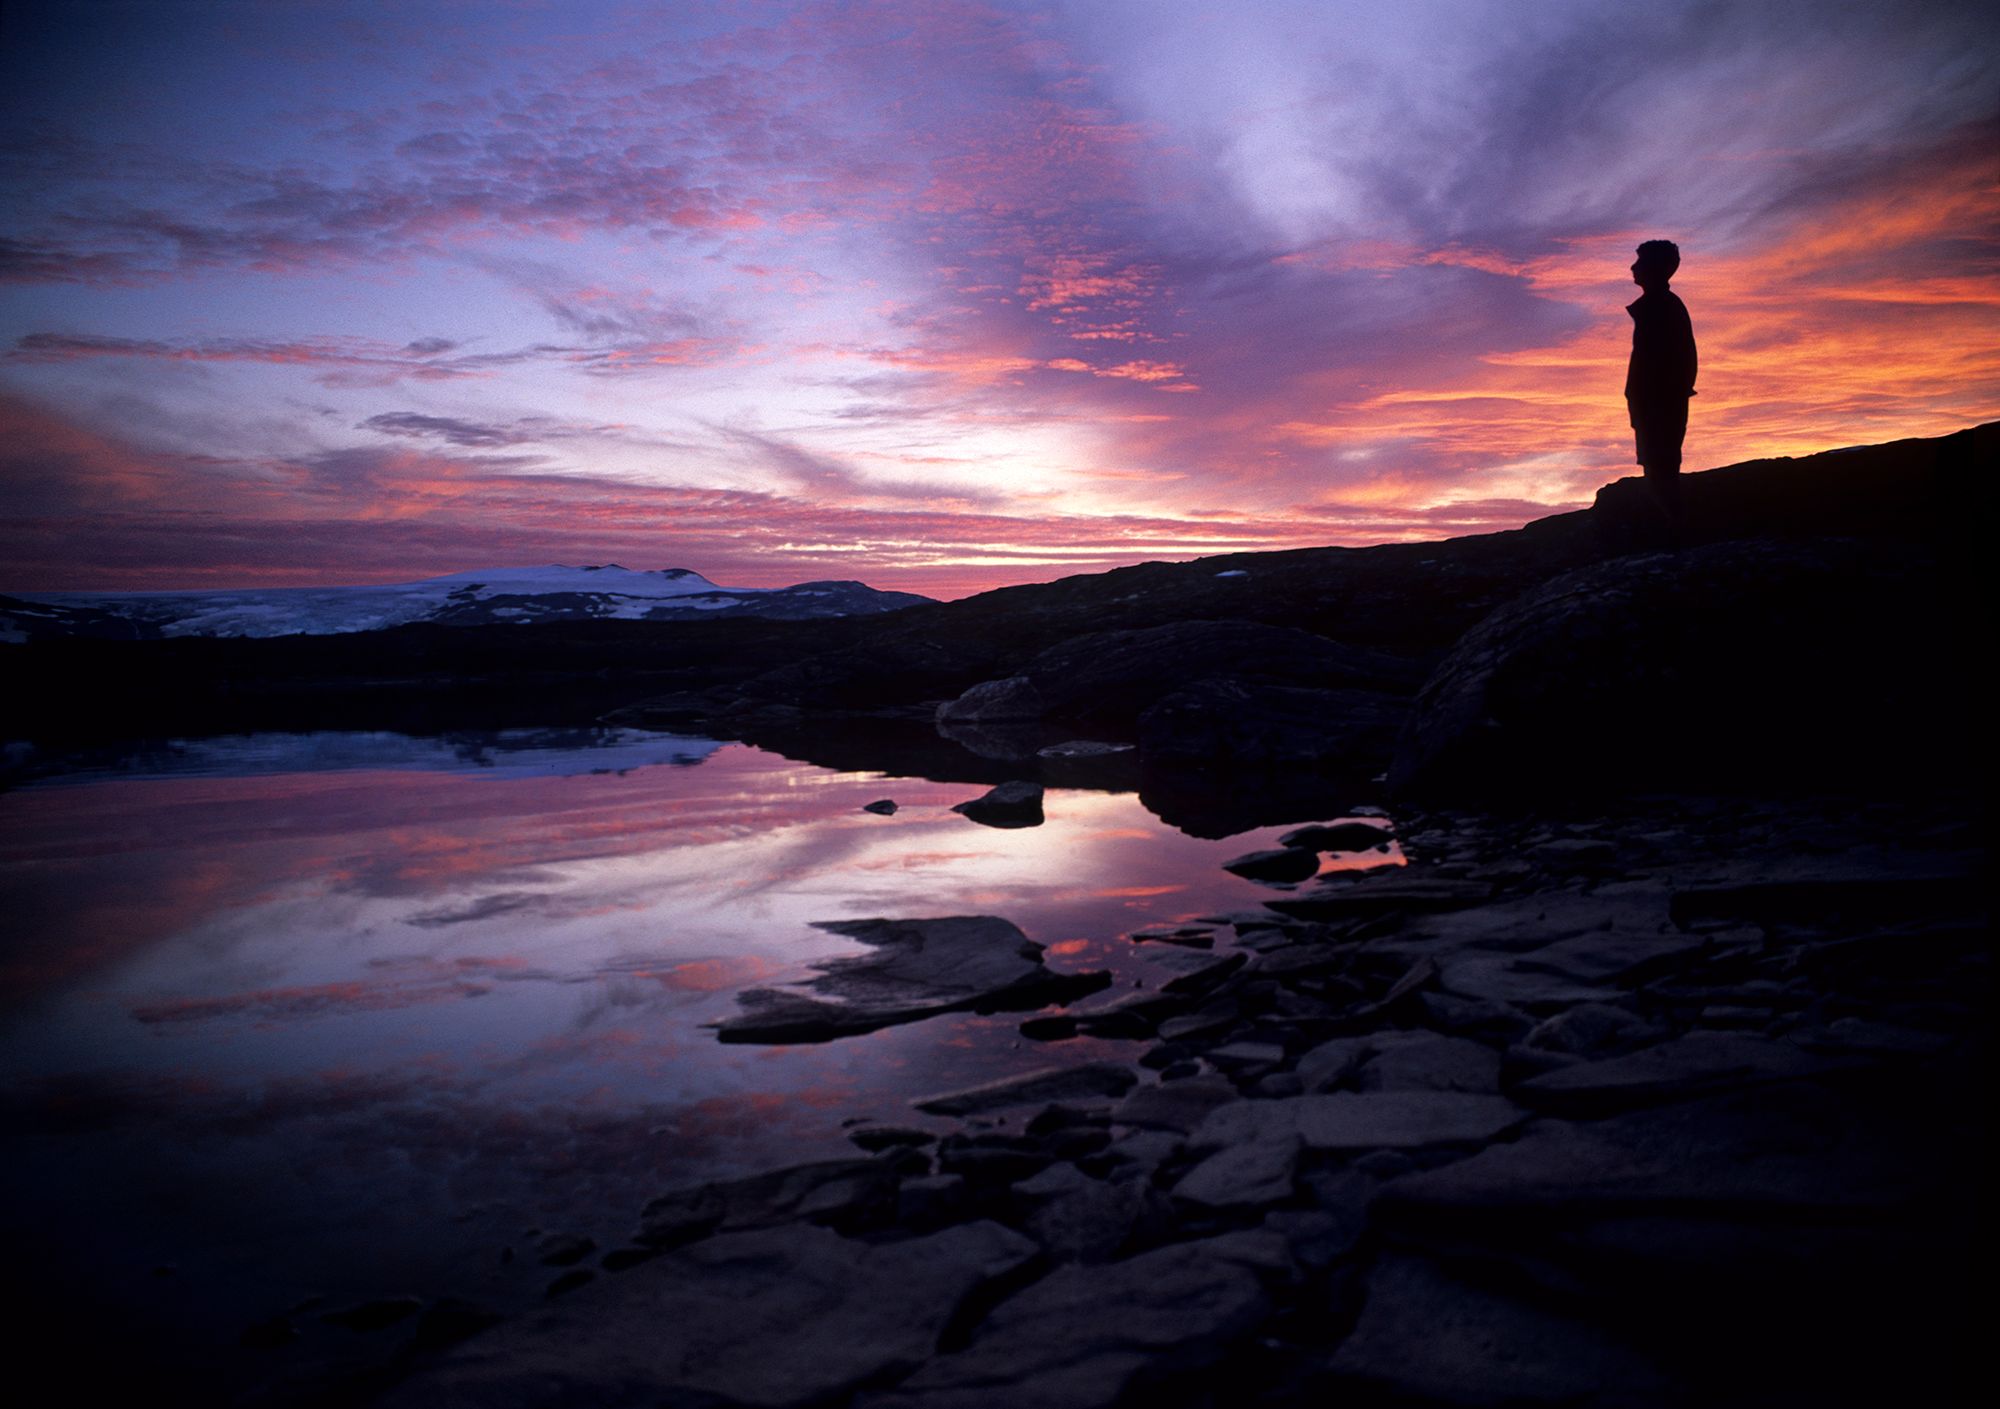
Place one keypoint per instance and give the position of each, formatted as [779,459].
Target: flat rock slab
[919,968]
[1426,1337]
[1092,1079]
[1338,836]
[1593,1030]
[1084,748]
[1498,978]
[1369,896]
[1434,1064]
[1186,936]
[785,1317]
[1086,1337]
[1243,1176]
[1798,1147]
[1280,864]
[1686,1066]
[824,1188]
[1611,957]
[1175,1105]
[1536,921]
[1192,971]
[1793,1244]
[1372,1120]
[1842,898]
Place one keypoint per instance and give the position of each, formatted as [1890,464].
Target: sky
[947,294]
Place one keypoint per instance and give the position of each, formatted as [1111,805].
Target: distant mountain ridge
[481,597]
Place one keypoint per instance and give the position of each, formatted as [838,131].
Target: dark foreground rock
[918,969]
[1089,1336]
[1673,1128]
[1035,1088]
[1753,658]
[1113,646]
[1017,804]
[789,1316]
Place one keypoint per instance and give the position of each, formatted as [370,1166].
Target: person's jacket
[1663,357]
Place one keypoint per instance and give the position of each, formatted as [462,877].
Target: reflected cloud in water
[376,1018]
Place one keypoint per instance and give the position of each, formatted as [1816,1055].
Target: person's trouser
[1658,429]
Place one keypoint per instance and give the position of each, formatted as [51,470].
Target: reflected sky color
[359,1028]
[947,294]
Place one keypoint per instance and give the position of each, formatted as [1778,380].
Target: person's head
[1657,261]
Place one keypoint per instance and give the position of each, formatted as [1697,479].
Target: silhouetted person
[1661,376]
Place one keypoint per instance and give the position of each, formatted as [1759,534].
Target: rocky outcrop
[995,702]
[1752,659]
[755,679]
[1204,691]
[1245,724]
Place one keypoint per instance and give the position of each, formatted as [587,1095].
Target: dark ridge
[738,677]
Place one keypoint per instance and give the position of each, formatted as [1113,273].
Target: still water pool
[294,1021]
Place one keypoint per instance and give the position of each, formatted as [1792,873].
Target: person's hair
[1665,253]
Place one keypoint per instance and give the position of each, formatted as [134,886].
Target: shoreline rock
[1684,1148]
[918,969]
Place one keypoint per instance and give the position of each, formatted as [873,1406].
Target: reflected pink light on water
[486,988]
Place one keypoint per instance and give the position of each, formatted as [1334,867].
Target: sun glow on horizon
[946,295]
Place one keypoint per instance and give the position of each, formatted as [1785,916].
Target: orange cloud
[1837,327]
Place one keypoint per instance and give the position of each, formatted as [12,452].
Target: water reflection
[356,1022]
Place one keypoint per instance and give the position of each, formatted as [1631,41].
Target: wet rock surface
[708,1323]
[918,969]
[1016,804]
[1647,1121]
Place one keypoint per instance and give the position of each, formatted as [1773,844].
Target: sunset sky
[943,295]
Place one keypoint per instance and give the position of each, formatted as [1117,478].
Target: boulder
[1114,677]
[995,701]
[1760,658]
[1017,804]
[1338,836]
[1277,864]
[1076,1218]
[1275,726]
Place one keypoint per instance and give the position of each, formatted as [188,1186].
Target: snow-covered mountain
[503,753]
[497,595]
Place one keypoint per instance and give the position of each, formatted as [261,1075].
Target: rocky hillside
[1805,605]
